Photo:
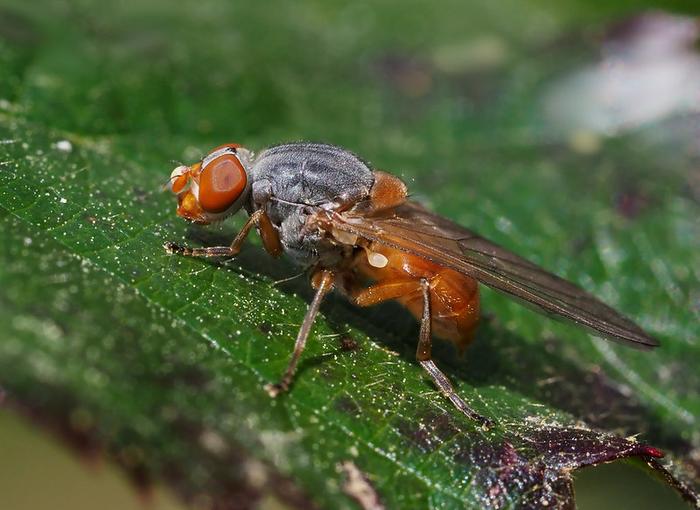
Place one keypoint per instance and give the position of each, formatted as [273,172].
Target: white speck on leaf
[63,146]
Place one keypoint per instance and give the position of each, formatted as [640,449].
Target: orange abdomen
[454,297]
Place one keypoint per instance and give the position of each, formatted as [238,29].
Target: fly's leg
[385,291]
[424,356]
[259,219]
[323,282]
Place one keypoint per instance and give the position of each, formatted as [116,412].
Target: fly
[356,231]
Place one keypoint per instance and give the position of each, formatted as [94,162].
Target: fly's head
[213,188]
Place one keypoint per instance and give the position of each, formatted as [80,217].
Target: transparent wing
[412,228]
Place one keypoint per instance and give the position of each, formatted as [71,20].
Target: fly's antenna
[166,184]
[180,170]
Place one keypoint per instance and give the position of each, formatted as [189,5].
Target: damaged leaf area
[159,362]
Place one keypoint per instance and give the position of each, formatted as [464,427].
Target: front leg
[268,233]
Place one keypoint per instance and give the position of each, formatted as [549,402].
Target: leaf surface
[160,361]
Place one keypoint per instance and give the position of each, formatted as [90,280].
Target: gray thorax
[292,180]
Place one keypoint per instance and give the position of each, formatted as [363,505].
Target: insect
[356,231]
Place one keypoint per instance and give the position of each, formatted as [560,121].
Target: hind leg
[424,356]
[455,307]
[405,289]
[384,291]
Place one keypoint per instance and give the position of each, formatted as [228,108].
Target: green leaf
[160,361]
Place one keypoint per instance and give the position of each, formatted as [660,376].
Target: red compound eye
[221,183]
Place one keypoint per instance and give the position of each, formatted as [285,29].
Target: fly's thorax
[313,174]
[294,181]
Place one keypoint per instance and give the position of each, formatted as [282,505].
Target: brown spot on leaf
[417,434]
[265,328]
[347,405]
[440,424]
[348,343]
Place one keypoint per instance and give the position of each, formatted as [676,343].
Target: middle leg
[324,284]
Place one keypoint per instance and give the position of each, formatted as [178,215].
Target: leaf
[160,361]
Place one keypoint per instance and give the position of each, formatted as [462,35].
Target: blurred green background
[550,128]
